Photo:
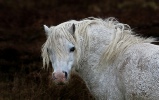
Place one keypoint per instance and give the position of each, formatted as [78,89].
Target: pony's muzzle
[65,74]
[60,77]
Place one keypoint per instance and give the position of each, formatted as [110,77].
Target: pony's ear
[72,29]
[47,30]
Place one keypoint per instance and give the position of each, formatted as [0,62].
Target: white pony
[114,63]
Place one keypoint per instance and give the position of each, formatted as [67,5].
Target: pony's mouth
[60,77]
[60,83]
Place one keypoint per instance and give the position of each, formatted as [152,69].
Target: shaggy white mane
[123,38]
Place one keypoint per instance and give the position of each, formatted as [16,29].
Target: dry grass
[35,84]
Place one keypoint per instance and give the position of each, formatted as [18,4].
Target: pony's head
[61,49]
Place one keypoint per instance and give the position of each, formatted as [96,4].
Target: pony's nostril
[65,74]
[53,75]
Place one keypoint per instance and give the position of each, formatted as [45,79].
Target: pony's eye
[47,50]
[72,49]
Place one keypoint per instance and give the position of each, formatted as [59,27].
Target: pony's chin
[60,82]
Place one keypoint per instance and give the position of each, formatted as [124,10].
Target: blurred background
[22,35]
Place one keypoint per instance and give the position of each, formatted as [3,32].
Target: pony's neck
[99,38]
